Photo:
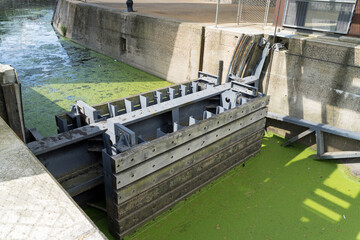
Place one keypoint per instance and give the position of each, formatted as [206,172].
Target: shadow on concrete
[320,88]
[316,80]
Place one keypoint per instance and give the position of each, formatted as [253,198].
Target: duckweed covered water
[281,193]
[55,72]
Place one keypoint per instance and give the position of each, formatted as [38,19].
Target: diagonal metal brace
[297,137]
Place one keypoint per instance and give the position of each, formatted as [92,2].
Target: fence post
[277,19]
[217,13]
[239,12]
[266,12]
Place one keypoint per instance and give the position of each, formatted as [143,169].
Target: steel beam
[297,137]
[316,126]
[340,155]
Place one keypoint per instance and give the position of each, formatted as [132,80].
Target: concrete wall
[220,45]
[316,80]
[168,49]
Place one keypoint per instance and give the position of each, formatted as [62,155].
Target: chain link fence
[256,11]
[250,11]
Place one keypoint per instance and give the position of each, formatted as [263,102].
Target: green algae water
[281,193]
[55,72]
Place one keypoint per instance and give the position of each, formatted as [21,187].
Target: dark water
[55,72]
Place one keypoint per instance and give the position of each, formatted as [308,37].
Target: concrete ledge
[326,49]
[32,204]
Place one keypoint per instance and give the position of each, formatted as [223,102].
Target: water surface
[55,72]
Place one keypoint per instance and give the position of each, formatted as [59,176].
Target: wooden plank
[126,225]
[163,174]
[107,176]
[83,179]
[64,139]
[195,170]
[12,108]
[297,137]
[153,148]
[340,155]
[130,175]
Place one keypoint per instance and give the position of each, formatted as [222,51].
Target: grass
[63,30]
[281,193]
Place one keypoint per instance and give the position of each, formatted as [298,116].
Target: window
[322,15]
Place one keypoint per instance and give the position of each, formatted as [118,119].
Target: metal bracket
[244,88]
[144,101]
[125,138]
[113,110]
[207,115]
[91,114]
[192,120]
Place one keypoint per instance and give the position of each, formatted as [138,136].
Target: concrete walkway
[191,10]
[32,204]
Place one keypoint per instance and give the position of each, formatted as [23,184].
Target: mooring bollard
[129,4]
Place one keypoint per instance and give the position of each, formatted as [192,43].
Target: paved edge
[33,205]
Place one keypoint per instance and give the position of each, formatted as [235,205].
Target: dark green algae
[281,193]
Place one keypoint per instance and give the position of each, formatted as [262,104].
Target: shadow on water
[42,116]
[55,72]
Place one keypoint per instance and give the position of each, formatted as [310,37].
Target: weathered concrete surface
[219,44]
[168,49]
[32,204]
[316,80]
[10,100]
[3,77]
